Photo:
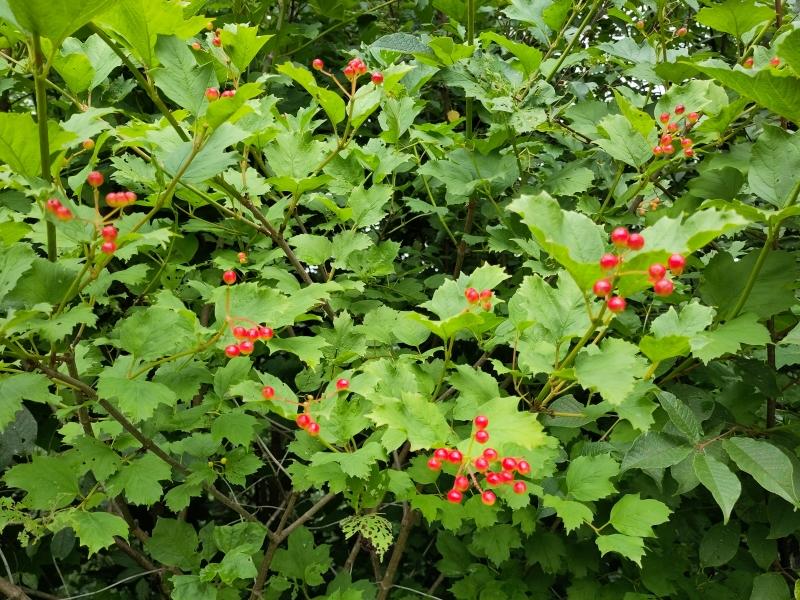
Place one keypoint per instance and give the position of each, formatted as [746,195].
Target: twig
[263,568]
[409,518]
[12,591]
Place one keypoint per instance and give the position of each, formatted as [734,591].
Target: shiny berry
[493,478]
[523,467]
[252,334]
[246,347]
[668,149]
[472,295]
[461,483]
[95,179]
[748,62]
[87,144]
[636,241]
[616,304]
[481,422]
[680,109]
[265,333]
[232,350]
[488,497]
[228,94]
[509,464]
[268,392]
[239,333]
[676,263]
[486,306]
[663,287]
[682,31]
[619,236]
[65,214]
[658,150]
[673,127]
[313,429]
[602,287]
[129,197]
[481,436]
[196,46]
[609,261]
[455,457]
[434,464]
[507,476]
[666,139]
[349,72]
[657,271]
[688,152]
[303,420]
[342,384]
[686,142]
[441,453]
[664,118]
[317,64]
[108,247]
[490,454]
[53,204]
[242,256]
[109,233]
[486,294]
[229,277]
[217,41]
[481,464]
[775,61]
[454,496]
[639,25]
[377,78]
[520,487]
[212,94]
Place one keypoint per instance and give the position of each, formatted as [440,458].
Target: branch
[12,591]
[263,568]
[409,518]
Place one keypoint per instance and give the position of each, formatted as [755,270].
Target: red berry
[509,464]
[680,109]
[95,179]
[639,25]
[666,139]
[196,46]
[493,478]
[686,142]
[616,304]
[461,484]
[602,287]
[488,497]
[342,384]
[53,204]
[217,41]
[228,94]
[242,256]
[520,487]
[87,144]
[317,64]
[636,241]
[229,277]
[676,263]
[212,94]
[265,333]
[455,457]
[609,261]
[313,429]
[472,295]
[454,496]
[63,213]
[775,61]
[109,233]
[658,150]
[441,453]
[657,271]
[523,468]
[434,464]
[507,476]
[663,287]
[377,78]
[668,149]
[481,436]
[673,127]
[486,294]
[113,199]
[681,32]
[252,334]
[239,333]
[490,454]
[246,347]
[748,62]
[268,392]
[129,197]
[664,118]
[303,420]
[232,350]
[481,464]
[349,72]
[688,152]
[619,236]
[108,247]
[486,306]
[481,422]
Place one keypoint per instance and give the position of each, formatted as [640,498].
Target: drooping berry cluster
[474,297]
[213,94]
[247,337]
[116,200]
[58,210]
[120,199]
[611,262]
[304,420]
[680,126]
[354,69]
[470,471]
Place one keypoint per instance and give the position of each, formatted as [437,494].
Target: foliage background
[506,141]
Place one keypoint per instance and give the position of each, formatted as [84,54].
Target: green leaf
[139,480]
[15,260]
[401,42]
[353,464]
[571,238]
[511,428]
[770,586]
[589,477]
[311,249]
[237,427]
[136,398]
[156,331]
[19,143]
[173,543]
[180,77]
[729,337]
[611,369]
[736,17]
[789,50]
[497,547]
[655,451]
[367,204]
[18,387]
[633,516]
[330,101]
[96,530]
[719,545]
[628,546]
[528,56]
[574,514]
[96,456]
[776,154]
[409,416]
[50,482]
[673,331]
[569,180]
[54,19]
[241,44]
[623,142]
[560,311]
[719,480]
[302,560]
[681,416]
[307,348]
[768,465]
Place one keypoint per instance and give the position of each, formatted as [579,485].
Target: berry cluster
[217,39]
[242,257]
[484,297]
[109,235]
[670,128]
[213,94]
[247,337]
[354,69]
[305,419]
[58,210]
[120,199]
[623,240]
[472,469]
[116,200]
